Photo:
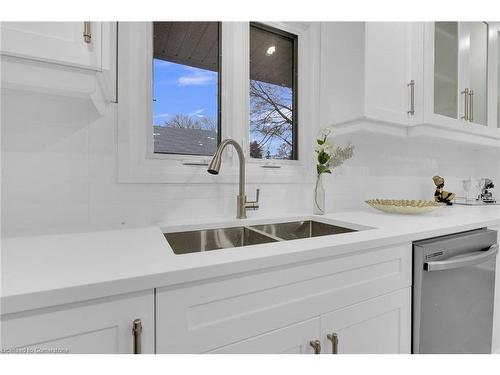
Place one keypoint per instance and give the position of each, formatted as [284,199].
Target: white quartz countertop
[41,271]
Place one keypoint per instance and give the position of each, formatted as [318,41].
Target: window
[273,93]
[186,87]
[179,83]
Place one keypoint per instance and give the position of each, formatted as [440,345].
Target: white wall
[59,166]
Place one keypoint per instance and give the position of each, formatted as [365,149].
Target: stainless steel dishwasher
[453,292]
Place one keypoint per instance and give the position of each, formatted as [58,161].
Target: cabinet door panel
[393,57]
[380,325]
[99,326]
[293,339]
[58,42]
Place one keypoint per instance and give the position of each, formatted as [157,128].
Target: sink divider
[265,234]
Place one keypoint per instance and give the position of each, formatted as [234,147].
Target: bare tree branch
[271,119]
[181,120]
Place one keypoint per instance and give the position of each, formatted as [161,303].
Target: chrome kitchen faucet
[242,205]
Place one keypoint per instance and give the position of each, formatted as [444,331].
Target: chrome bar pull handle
[471,105]
[137,332]
[334,338]
[466,104]
[87,32]
[411,85]
[316,345]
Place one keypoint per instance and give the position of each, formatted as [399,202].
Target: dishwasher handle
[462,261]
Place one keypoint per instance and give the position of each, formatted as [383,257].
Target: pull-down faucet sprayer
[242,205]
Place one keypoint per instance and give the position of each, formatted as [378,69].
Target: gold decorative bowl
[404,206]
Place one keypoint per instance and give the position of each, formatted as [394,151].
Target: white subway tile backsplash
[59,174]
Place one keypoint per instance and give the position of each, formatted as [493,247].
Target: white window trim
[136,161]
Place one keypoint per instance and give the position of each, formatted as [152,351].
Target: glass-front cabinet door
[478,72]
[460,72]
[446,59]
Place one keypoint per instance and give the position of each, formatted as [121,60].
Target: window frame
[137,163]
[497,45]
[219,93]
[295,86]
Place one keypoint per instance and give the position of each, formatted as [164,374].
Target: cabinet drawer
[198,318]
[91,327]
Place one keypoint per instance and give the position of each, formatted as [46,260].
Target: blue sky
[183,89]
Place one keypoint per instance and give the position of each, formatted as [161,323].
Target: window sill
[178,172]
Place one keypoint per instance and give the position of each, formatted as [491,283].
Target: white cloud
[163,115]
[197,77]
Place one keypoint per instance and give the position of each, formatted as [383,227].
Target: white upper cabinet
[75,59]
[434,79]
[453,87]
[459,67]
[57,42]
[394,71]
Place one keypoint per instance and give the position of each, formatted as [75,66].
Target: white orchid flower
[325,131]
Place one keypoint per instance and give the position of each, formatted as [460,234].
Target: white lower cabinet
[97,326]
[381,325]
[362,296]
[293,339]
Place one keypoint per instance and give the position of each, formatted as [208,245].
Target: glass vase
[319,196]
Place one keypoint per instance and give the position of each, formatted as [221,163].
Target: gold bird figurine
[441,195]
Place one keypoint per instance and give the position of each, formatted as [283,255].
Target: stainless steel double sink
[223,238]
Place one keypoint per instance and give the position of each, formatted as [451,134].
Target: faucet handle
[253,205]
